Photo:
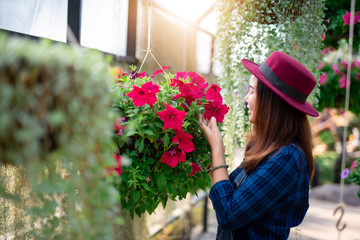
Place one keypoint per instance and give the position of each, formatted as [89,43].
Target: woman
[269,192]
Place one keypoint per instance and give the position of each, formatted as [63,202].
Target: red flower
[184,89]
[144,94]
[173,157]
[172,117]
[141,75]
[215,109]
[184,141]
[120,73]
[195,168]
[185,75]
[159,71]
[118,168]
[213,93]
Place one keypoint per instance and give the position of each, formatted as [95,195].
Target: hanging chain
[347,96]
[148,50]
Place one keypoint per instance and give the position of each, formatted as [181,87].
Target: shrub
[54,139]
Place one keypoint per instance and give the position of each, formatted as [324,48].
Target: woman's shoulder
[290,151]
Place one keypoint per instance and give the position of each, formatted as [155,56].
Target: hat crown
[291,72]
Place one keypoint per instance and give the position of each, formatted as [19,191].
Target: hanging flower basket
[156,128]
[272,12]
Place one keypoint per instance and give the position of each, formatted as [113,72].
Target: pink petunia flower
[357,64]
[144,94]
[346,17]
[335,68]
[147,179]
[118,126]
[172,117]
[173,157]
[195,168]
[353,165]
[357,17]
[215,109]
[320,66]
[160,71]
[184,141]
[322,36]
[322,78]
[118,168]
[213,93]
[343,81]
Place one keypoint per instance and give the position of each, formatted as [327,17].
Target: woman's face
[250,97]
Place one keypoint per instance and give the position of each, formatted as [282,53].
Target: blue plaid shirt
[266,203]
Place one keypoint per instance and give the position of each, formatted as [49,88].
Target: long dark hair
[276,124]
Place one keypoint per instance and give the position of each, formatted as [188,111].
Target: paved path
[318,224]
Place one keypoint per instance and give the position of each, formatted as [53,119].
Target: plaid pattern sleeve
[274,184]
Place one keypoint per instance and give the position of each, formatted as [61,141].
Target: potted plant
[156,128]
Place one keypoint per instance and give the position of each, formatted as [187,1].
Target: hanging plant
[253,32]
[157,129]
[266,12]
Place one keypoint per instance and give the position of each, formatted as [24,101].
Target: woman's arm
[271,185]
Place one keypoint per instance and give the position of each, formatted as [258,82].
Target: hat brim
[306,107]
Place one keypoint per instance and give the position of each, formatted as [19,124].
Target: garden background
[56,124]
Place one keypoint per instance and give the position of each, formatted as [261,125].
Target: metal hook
[341,208]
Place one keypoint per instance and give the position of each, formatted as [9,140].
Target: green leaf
[164,201]
[138,211]
[161,181]
[141,145]
[123,201]
[136,196]
[166,139]
[149,132]
[145,186]
[131,133]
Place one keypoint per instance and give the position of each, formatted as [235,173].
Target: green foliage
[333,87]
[328,139]
[335,29]
[54,141]
[253,30]
[148,181]
[354,175]
[326,163]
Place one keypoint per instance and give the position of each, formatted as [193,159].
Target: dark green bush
[55,139]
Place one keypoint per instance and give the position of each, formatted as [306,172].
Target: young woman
[269,192]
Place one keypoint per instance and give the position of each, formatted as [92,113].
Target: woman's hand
[212,134]
[214,138]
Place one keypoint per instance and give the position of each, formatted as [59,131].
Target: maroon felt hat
[288,78]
